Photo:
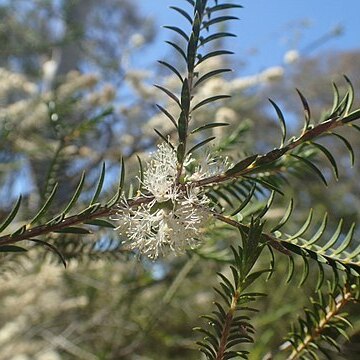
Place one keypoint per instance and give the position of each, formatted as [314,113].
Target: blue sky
[268,29]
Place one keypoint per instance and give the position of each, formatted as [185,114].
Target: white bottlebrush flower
[173,215]
[209,166]
[155,229]
[160,175]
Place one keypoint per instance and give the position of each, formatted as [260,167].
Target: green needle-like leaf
[314,168]
[11,216]
[76,195]
[209,75]
[209,100]
[328,154]
[99,185]
[281,120]
[171,68]
[200,144]
[178,31]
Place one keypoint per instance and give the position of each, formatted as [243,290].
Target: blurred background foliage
[70,100]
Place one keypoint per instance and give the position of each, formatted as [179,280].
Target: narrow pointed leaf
[178,31]
[141,170]
[120,187]
[305,272]
[291,268]
[56,220]
[11,216]
[223,7]
[272,263]
[171,68]
[200,144]
[320,231]
[313,167]
[266,207]
[216,36]
[355,115]
[46,205]
[321,277]
[208,126]
[99,186]
[303,228]
[218,20]
[336,99]
[76,194]
[281,120]
[253,276]
[51,247]
[213,54]
[73,230]
[245,201]
[328,154]
[351,95]
[209,100]
[169,93]
[19,231]
[163,137]
[183,13]
[339,111]
[11,248]
[242,165]
[191,2]
[285,217]
[333,239]
[266,184]
[307,112]
[346,241]
[178,49]
[209,75]
[349,147]
[166,113]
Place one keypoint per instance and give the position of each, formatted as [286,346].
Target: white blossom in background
[74,82]
[137,40]
[137,80]
[224,115]
[274,73]
[244,82]
[291,57]
[271,74]
[49,69]
[174,216]
[213,87]
[10,81]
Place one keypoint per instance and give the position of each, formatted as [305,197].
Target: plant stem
[227,326]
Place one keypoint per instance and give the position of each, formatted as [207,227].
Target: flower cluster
[174,214]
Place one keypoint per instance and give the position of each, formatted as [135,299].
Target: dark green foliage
[229,325]
[317,332]
[63,223]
